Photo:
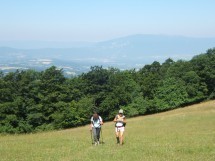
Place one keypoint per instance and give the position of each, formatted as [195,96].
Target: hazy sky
[96,20]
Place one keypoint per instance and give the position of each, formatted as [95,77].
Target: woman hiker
[120,126]
[95,127]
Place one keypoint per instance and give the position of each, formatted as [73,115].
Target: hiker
[120,126]
[95,127]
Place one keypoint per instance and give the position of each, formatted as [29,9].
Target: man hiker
[120,126]
[95,127]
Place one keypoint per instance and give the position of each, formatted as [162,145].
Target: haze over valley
[74,58]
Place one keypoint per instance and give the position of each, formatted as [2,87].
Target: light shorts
[120,129]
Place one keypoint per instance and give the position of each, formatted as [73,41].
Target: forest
[33,101]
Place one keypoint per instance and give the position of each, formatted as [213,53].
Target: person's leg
[98,134]
[121,135]
[94,135]
[117,135]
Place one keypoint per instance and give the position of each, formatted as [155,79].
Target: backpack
[98,120]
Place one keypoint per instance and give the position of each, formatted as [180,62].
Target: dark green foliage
[170,94]
[204,66]
[33,101]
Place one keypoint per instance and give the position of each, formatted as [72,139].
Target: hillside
[182,134]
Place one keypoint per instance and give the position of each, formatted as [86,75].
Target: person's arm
[124,120]
[101,121]
[91,124]
[115,119]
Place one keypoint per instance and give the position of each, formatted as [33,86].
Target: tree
[149,77]
[196,89]
[171,94]
[204,66]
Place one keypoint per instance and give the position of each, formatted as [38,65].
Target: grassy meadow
[185,134]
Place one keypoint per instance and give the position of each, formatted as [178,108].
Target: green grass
[185,134]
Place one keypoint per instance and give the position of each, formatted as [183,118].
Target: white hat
[121,111]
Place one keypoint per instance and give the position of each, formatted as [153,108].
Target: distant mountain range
[133,51]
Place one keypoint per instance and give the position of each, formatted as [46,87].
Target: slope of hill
[183,134]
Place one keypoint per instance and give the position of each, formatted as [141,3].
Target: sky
[99,20]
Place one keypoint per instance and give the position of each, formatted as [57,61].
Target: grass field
[185,134]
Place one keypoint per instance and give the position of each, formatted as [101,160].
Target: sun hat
[121,111]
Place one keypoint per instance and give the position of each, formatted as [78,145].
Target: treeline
[32,101]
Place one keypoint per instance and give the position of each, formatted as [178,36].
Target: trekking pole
[101,136]
[91,136]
